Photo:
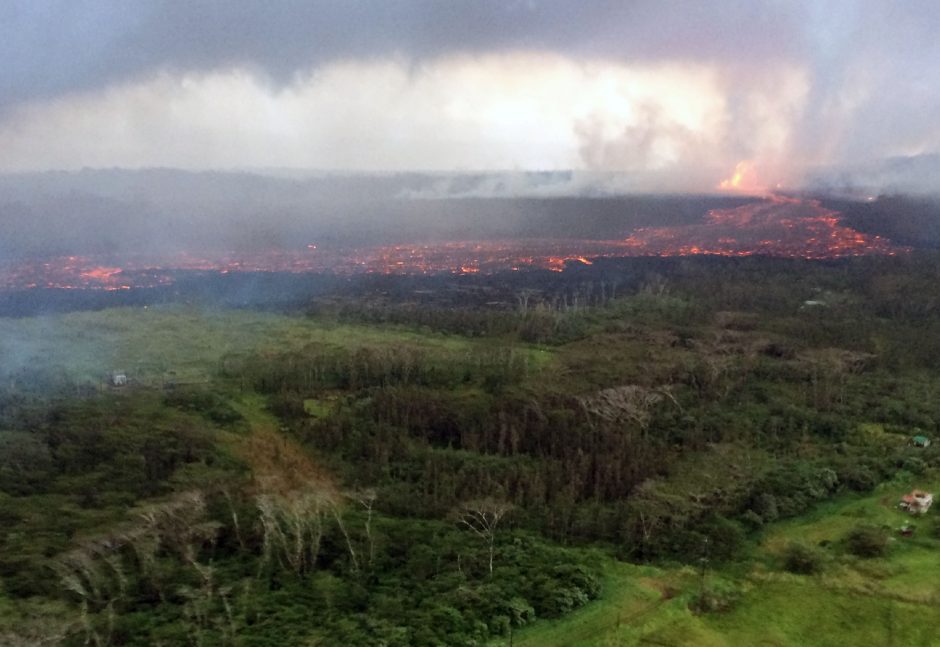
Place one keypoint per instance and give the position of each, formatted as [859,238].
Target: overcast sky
[684,89]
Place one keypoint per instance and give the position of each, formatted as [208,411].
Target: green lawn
[795,610]
[890,601]
[631,594]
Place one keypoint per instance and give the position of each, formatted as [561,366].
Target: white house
[917,502]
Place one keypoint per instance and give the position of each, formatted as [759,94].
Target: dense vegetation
[374,472]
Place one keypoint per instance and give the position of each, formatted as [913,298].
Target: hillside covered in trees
[398,467]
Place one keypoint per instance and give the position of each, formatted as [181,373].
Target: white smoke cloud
[681,90]
[682,123]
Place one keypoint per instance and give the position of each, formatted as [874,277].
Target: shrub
[716,597]
[859,478]
[765,505]
[752,520]
[725,538]
[211,405]
[802,559]
[914,465]
[569,587]
[287,406]
[867,541]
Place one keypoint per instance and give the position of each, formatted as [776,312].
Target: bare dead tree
[614,284]
[209,607]
[482,517]
[522,297]
[631,402]
[829,369]
[293,526]
[294,499]
[656,284]
[353,556]
[181,525]
[366,499]
[94,571]
[233,513]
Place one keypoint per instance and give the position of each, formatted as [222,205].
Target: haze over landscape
[412,323]
[331,121]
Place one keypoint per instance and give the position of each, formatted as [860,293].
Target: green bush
[859,478]
[914,465]
[802,559]
[716,597]
[765,506]
[867,541]
[205,402]
[563,588]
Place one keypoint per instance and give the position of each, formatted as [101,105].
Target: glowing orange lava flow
[776,226]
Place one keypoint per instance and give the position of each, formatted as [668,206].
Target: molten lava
[776,226]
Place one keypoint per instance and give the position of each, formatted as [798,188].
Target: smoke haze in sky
[674,92]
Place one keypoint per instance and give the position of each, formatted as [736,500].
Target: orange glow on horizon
[743,179]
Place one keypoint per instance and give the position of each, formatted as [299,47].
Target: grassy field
[893,600]
[150,343]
